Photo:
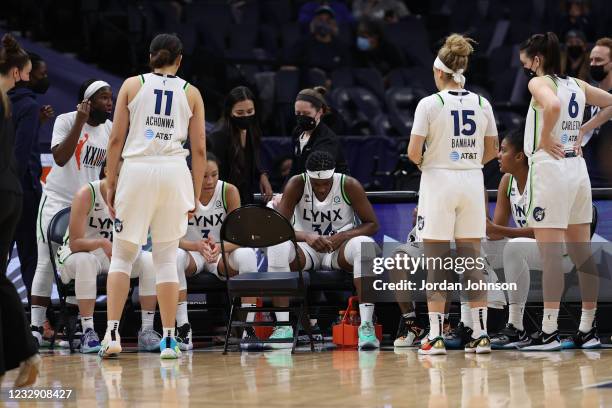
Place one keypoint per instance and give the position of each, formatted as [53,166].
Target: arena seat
[243,227]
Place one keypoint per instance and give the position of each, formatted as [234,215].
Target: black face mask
[574,51]
[305,123]
[529,73]
[243,122]
[99,115]
[322,29]
[598,73]
[41,86]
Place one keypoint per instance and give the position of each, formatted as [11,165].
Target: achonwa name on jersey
[158,121]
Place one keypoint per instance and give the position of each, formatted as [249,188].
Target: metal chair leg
[306,324]
[229,326]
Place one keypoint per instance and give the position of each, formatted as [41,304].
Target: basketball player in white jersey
[86,253]
[200,249]
[155,189]
[458,129]
[324,206]
[560,203]
[78,145]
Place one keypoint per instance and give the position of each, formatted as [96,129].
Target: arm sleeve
[26,134]
[61,128]
[420,125]
[491,126]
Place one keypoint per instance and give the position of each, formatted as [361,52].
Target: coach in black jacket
[311,134]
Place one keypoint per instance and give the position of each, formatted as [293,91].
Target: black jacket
[8,167]
[322,138]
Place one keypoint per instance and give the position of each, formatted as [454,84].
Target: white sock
[446,316]
[436,321]
[586,320]
[282,316]
[182,317]
[147,317]
[169,332]
[250,315]
[515,315]
[38,315]
[479,321]
[549,320]
[87,323]
[110,326]
[466,314]
[409,315]
[366,311]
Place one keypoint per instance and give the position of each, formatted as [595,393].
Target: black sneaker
[185,337]
[582,340]
[481,345]
[510,338]
[409,333]
[250,341]
[541,341]
[458,337]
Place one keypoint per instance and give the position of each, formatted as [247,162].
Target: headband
[457,75]
[94,87]
[321,174]
[309,98]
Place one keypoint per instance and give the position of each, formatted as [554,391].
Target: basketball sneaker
[250,341]
[184,336]
[433,347]
[458,337]
[541,341]
[169,349]
[44,336]
[481,345]
[582,340]
[409,333]
[111,345]
[284,333]
[90,342]
[148,340]
[367,336]
[509,338]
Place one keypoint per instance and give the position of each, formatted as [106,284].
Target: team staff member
[78,145]
[459,131]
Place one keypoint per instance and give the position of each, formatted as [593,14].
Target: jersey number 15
[468,128]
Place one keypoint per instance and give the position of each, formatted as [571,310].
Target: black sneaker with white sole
[541,341]
[509,338]
[582,340]
[481,345]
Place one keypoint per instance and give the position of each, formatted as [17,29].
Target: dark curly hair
[319,161]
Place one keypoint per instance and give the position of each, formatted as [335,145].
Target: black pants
[16,341]
[25,237]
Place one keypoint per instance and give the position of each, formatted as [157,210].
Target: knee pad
[355,253]
[182,261]
[145,272]
[280,256]
[243,260]
[85,267]
[164,261]
[124,256]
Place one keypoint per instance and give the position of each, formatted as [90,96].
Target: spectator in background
[575,59]
[576,18]
[237,145]
[373,50]
[321,48]
[597,144]
[309,9]
[378,9]
[28,115]
[311,134]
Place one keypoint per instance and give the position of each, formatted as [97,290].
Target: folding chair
[256,226]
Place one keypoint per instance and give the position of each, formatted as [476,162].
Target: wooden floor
[333,378]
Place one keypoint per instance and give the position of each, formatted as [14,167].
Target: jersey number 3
[468,128]
[158,101]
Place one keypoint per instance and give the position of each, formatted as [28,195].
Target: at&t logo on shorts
[538,214]
[420,223]
[118,225]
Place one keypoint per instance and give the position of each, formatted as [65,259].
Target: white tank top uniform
[451,195]
[559,190]
[518,203]
[155,187]
[207,222]
[332,215]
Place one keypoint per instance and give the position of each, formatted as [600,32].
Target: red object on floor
[346,334]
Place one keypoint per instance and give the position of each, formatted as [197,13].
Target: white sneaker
[111,345]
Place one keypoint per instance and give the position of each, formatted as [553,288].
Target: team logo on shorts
[118,225]
[149,134]
[454,156]
[218,204]
[336,200]
[420,223]
[538,214]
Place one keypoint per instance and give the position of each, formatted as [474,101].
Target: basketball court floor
[329,378]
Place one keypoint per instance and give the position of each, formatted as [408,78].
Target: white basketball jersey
[572,98]
[327,217]
[159,118]
[455,124]
[208,218]
[99,222]
[518,203]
